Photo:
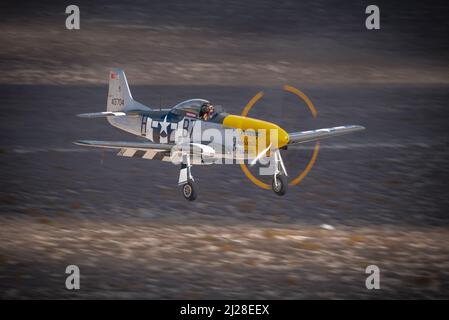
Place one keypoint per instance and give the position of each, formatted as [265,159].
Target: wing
[154,151]
[123,144]
[313,135]
[144,150]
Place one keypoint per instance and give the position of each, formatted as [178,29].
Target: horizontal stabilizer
[110,114]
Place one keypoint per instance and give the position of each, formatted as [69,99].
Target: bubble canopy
[194,105]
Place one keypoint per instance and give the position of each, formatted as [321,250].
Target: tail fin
[119,96]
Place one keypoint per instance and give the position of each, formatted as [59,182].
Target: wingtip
[80,142]
[357,127]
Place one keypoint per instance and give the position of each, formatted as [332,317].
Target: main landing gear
[189,190]
[186,181]
[279,183]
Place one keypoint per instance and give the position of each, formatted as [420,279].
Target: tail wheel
[279,185]
[189,190]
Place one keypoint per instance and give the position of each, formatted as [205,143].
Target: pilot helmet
[205,107]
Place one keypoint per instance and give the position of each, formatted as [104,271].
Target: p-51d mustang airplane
[196,132]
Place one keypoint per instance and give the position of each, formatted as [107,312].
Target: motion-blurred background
[376,197]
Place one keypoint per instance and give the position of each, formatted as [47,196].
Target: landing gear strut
[186,180]
[279,183]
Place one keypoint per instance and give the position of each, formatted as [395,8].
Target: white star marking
[164,125]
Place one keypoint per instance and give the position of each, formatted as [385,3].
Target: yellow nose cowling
[245,123]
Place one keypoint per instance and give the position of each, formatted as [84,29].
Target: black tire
[281,188]
[189,190]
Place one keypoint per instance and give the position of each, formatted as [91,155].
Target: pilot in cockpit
[207,110]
